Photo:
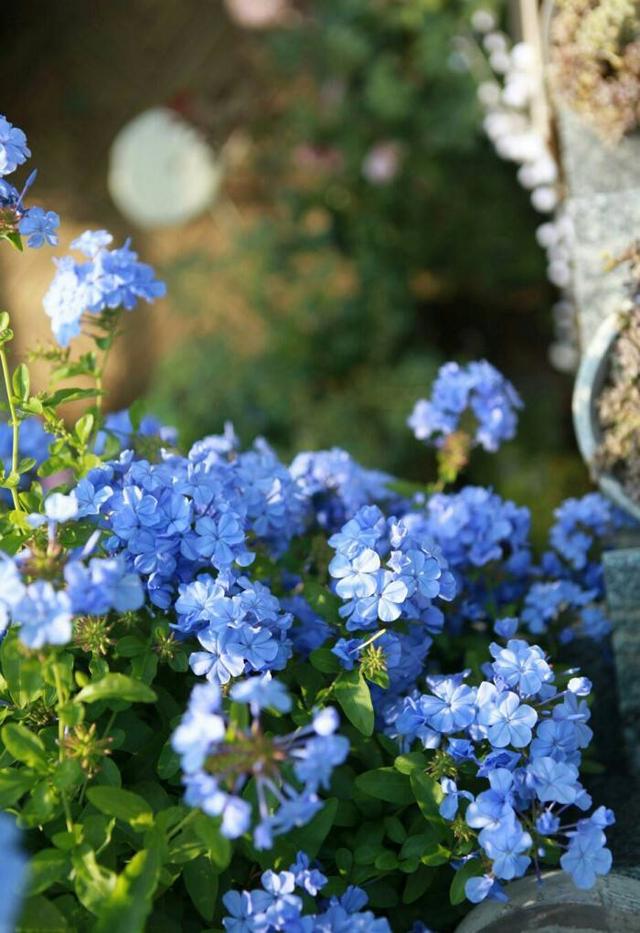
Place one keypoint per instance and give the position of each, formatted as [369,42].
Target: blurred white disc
[161,170]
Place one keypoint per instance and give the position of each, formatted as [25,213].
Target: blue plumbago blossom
[477,388]
[180,519]
[34,445]
[107,279]
[525,736]
[14,873]
[218,762]
[119,427]
[38,225]
[13,147]
[579,523]
[568,607]
[338,486]
[276,907]
[386,571]
[43,610]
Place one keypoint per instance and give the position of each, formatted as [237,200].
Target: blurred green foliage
[363,288]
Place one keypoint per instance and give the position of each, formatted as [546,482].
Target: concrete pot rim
[590,380]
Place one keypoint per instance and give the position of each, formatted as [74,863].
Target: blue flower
[505,845]
[451,708]
[586,857]
[262,693]
[44,616]
[13,147]
[521,666]
[554,781]
[108,279]
[39,226]
[507,721]
[13,864]
[479,388]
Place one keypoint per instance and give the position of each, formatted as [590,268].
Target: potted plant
[606,399]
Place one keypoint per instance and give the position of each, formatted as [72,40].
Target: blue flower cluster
[43,609]
[386,571]
[218,762]
[14,873]
[477,389]
[525,737]
[34,445]
[175,520]
[275,906]
[38,225]
[337,485]
[107,279]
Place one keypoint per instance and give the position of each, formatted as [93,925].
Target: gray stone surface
[556,905]
[622,580]
[603,201]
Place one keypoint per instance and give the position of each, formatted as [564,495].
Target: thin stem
[183,822]
[15,424]
[61,699]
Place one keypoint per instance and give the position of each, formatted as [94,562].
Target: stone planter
[612,906]
[592,375]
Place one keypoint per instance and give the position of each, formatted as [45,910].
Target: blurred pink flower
[257,14]
[382,162]
[318,158]
[63,478]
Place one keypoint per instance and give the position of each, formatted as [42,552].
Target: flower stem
[15,424]
[61,699]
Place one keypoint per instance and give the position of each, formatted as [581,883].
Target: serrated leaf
[116,687]
[353,695]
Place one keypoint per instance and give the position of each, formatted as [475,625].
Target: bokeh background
[364,230]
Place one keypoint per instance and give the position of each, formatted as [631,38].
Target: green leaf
[207,829]
[116,687]
[22,672]
[416,884]
[322,600]
[428,795]
[46,868]
[471,869]
[14,783]
[21,382]
[405,764]
[5,320]
[68,395]
[352,693]
[307,838]
[131,901]
[168,762]
[416,846]
[84,427]
[386,784]
[15,239]
[324,660]
[26,464]
[201,882]
[124,805]
[93,883]
[24,745]
[39,915]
